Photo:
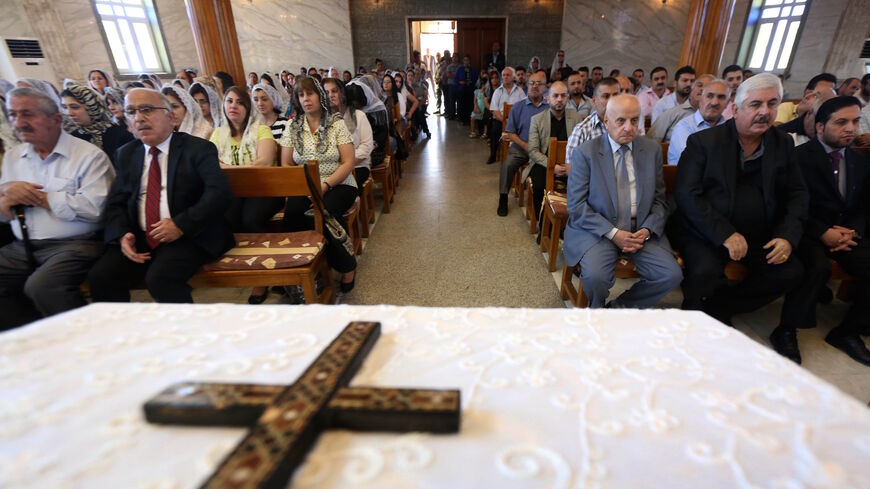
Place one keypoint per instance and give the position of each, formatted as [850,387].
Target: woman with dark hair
[267,78]
[312,71]
[127,86]
[244,141]
[99,81]
[357,124]
[315,133]
[92,121]
[222,82]
[359,95]
[347,76]
[114,98]
[405,96]
[188,115]
[209,103]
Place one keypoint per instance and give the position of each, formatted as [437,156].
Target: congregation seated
[661,130]
[807,119]
[684,79]
[59,184]
[164,215]
[517,129]
[821,83]
[364,94]
[740,196]
[578,101]
[593,125]
[188,115]
[269,109]
[714,99]
[92,121]
[506,93]
[357,124]
[598,231]
[834,230]
[318,134]
[557,123]
[114,98]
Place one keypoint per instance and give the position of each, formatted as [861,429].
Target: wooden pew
[554,209]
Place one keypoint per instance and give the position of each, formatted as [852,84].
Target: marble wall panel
[286,34]
[13,20]
[83,35]
[177,33]
[854,28]
[624,34]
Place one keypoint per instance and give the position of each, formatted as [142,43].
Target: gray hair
[46,104]
[716,80]
[163,98]
[509,68]
[760,81]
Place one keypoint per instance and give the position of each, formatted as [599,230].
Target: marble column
[49,29]
[214,32]
[706,32]
[853,29]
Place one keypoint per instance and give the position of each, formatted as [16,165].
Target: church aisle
[443,244]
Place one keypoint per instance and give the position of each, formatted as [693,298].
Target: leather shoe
[259,298]
[502,205]
[490,161]
[852,345]
[784,342]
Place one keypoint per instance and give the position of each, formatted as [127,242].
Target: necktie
[835,164]
[152,197]
[623,192]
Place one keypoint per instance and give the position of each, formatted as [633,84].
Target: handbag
[337,240]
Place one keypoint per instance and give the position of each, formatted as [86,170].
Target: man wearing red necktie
[164,216]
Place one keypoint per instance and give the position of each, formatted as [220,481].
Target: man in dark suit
[837,178]
[616,205]
[495,58]
[740,197]
[165,211]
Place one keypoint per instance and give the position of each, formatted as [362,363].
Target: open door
[474,37]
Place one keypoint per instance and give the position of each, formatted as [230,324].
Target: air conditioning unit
[23,58]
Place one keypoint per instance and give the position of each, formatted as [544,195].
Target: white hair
[163,98]
[509,68]
[760,81]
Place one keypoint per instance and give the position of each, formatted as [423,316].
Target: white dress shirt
[363,143]
[632,186]
[667,102]
[502,96]
[75,176]
[163,160]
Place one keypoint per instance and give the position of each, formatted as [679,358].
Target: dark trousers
[495,129]
[451,100]
[165,274]
[466,104]
[53,287]
[361,174]
[706,288]
[252,215]
[420,118]
[799,309]
[439,89]
[336,201]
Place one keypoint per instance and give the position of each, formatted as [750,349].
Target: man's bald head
[621,118]
[558,97]
[154,127]
[624,84]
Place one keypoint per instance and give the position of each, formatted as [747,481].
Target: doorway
[468,36]
[432,36]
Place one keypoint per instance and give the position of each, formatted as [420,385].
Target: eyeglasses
[535,83]
[145,110]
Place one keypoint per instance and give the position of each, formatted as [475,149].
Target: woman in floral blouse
[316,134]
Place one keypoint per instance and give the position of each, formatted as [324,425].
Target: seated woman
[99,80]
[222,82]
[358,125]
[181,83]
[114,98]
[188,115]
[408,103]
[92,120]
[269,105]
[209,103]
[359,95]
[347,76]
[243,141]
[317,134]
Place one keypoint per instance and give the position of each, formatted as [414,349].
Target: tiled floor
[444,245]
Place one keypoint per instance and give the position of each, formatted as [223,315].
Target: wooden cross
[288,419]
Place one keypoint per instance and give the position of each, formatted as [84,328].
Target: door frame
[414,18]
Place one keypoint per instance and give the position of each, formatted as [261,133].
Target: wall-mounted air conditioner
[23,58]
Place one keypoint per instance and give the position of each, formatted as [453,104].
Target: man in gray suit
[555,123]
[616,206]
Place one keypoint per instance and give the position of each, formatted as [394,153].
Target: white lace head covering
[374,107]
[531,70]
[555,66]
[110,82]
[214,103]
[194,123]
[184,85]
[248,144]
[274,95]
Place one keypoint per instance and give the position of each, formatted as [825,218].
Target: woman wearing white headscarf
[269,106]
[534,65]
[99,80]
[359,95]
[181,83]
[188,115]
[209,103]
[558,64]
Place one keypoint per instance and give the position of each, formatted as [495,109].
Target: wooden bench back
[506,112]
[555,156]
[253,181]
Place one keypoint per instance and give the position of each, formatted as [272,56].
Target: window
[133,35]
[772,31]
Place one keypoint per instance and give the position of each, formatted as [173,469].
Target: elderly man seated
[714,99]
[59,184]
[165,213]
[740,196]
[616,206]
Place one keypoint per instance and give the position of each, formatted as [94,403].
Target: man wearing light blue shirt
[60,183]
[714,99]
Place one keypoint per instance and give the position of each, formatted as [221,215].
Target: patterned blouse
[330,160]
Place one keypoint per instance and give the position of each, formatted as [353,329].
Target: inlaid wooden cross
[288,419]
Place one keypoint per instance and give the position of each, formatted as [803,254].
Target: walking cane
[28,246]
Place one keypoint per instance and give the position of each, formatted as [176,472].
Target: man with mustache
[740,196]
[713,100]
[657,90]
[165,212]
[684,80]
[59,183]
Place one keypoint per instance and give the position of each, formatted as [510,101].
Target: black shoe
[784,342]
[826,295]
[294,294]
[490,161]
[502,205]
[258,299]
[428,135]
[851,345]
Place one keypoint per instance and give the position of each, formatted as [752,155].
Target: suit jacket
[827,207]
[199,193]
[539,137]
[707,181]
[592,193]
[499,62]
